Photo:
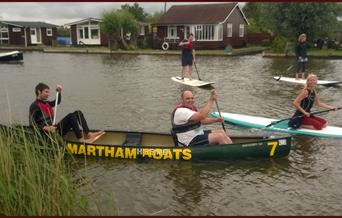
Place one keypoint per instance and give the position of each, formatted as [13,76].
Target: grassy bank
[34,177]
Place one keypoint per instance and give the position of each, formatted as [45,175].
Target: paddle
[55,112]
[199,78]
[217,106]
[287,70]
[317,112]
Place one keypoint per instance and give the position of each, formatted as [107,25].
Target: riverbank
[105,50]
[312,53]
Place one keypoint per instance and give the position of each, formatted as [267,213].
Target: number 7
[274,146]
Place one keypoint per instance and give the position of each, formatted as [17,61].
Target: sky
[61,13]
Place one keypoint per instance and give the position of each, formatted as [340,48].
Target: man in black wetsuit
[41,116]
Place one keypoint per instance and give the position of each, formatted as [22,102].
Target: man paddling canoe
[304,102]
[42,115]
[187,122]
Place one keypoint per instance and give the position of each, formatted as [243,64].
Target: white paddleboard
[303,81]
[261,123]
[192,82]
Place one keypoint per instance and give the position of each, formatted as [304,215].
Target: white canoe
[303,81]
[192,82]
[262,123]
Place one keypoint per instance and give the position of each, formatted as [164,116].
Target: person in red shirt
[41,116]
[188,55]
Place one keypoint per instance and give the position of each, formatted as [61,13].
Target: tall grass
[34,177]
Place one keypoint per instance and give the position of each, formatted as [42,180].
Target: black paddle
[199,78]
[317,112]
[217,106]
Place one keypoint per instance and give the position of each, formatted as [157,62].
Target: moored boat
[11,56]
[160,146]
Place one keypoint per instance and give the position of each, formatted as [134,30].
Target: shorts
[314,121]
[202,139]
[187,60]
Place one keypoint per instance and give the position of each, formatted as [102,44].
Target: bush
[265,42]
[279,44]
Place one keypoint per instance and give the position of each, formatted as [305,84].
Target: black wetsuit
[306,104]
[41,114]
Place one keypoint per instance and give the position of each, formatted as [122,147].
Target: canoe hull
[11,56]
[159,146]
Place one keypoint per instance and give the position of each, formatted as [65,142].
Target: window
[242,30]
[172,32]
[142,30]
[80,33]
[86,32]
[4,39]
[49,31]
[229,29]
[94,33]
[16,29]
[205,32]
[220,32]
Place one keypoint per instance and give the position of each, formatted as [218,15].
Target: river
[135,92]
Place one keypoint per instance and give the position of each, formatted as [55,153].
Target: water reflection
[131,92]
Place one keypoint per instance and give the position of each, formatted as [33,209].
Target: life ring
[165,46]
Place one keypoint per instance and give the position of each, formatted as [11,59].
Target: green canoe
[160,146]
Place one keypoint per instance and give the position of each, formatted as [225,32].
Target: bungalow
[88,32]
[27,33]
[214,26]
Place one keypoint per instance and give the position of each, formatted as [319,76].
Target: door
[35,35]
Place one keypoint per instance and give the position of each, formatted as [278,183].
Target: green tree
[289,19]
[117,24]
[135,10]
[152,18]
[315,19]
[63,31]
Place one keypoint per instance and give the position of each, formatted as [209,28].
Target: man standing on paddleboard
[188,55]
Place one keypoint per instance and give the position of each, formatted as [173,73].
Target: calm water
[129,92]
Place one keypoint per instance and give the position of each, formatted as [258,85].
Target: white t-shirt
[182,115]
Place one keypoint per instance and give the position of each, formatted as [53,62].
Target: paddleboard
[192,82]
[261,123]
[303,81]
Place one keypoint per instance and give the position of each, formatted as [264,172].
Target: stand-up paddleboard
[262,123]
[192,82]
[303,81]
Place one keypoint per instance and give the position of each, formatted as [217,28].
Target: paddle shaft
[199,78]
[55,112]
[317,112]
[218,109]
[217,106]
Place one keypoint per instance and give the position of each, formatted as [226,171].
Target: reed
[34,177]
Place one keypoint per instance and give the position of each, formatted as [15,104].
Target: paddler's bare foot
[94,134]
[92,137]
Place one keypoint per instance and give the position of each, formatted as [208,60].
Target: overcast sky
[60,13]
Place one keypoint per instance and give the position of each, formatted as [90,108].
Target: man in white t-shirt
[187,120]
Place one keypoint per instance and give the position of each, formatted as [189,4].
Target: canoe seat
[132,139]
